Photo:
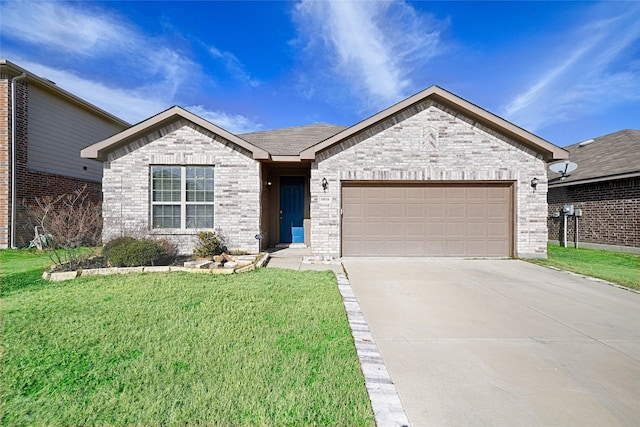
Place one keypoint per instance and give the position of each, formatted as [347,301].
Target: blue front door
[291,209]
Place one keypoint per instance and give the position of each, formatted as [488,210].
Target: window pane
[200,184]
[165,184]
[199,216]
[166,216]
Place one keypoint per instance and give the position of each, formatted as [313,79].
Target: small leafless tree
[67,223]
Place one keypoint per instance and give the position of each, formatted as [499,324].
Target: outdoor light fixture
[325,184]
[534,182]
[269,185]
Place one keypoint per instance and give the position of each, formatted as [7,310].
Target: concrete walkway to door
[502,342]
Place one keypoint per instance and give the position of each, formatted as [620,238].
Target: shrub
[67,222]
[210,245]
[130,252]
[115,242]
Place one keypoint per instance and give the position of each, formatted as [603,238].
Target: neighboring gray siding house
[48,127]
[605,188]
[433,175]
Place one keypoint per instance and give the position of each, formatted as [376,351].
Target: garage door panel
[373,210]
[477,229]
[455,210]
[415,210]
[393,230]
[395,210]
[430,220]
[435,247]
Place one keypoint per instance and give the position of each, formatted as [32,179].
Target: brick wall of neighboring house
[5,158]
[610,212]
[461,150]
[30,184]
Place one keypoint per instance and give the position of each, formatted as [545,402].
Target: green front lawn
[270,347]
[616,267]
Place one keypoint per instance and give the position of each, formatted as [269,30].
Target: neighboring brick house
[605,187]
[433,175]
[51,126]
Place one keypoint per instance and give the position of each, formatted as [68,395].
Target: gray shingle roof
[607,156]
[291,141]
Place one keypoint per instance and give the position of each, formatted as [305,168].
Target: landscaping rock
[59,276]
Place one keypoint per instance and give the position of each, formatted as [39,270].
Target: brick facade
[5,160]
[429,142]
[610,212]
[30,184]
[126,185]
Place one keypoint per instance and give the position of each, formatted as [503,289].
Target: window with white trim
[182,197]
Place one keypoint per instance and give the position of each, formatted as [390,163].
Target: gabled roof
[607,157]
[291,141]
[13,70]
[547,149]
[99,150]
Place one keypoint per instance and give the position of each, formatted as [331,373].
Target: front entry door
[291,209]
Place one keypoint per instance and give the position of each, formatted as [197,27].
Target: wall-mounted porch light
[325,184]
[269,184]
[534,182]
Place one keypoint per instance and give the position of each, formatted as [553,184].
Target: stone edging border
[58,276]
[385,402]
[593,279]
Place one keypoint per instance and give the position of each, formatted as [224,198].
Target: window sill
[178,231]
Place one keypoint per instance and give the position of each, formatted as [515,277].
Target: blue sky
[566,71]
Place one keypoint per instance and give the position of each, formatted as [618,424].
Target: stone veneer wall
[610,212]
[126,186]
[429,142]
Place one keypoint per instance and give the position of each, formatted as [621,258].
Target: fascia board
[594,180]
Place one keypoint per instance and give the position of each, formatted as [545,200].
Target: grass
[620,268]
[270,347]
[22,269]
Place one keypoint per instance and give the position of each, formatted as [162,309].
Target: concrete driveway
[502,342]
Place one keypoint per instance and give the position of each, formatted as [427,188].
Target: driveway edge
[387,408]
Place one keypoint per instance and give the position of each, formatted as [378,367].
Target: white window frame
[183,203]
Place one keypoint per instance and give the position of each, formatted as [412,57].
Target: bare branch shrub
[69,222]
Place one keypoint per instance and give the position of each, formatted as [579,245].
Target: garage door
[427,220]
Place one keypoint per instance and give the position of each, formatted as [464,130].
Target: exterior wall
[126,186]
[610,212]
[58,131]
[429,142]
[62,129]
[5,160]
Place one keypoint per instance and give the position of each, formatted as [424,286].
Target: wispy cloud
[134,74]
[234,123]
[130,105]
[234,66]
[591,72]
[372,48]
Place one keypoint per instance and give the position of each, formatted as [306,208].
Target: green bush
[210,245]
[130,252]
[115,242]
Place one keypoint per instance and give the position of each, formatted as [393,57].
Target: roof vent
[587,142]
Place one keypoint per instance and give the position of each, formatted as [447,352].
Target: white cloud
[130,105]
[62,26]
[146,74]
[592,71]
[234,66]
[372,47]
[233,123]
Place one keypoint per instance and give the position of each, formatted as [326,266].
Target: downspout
[14,187]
